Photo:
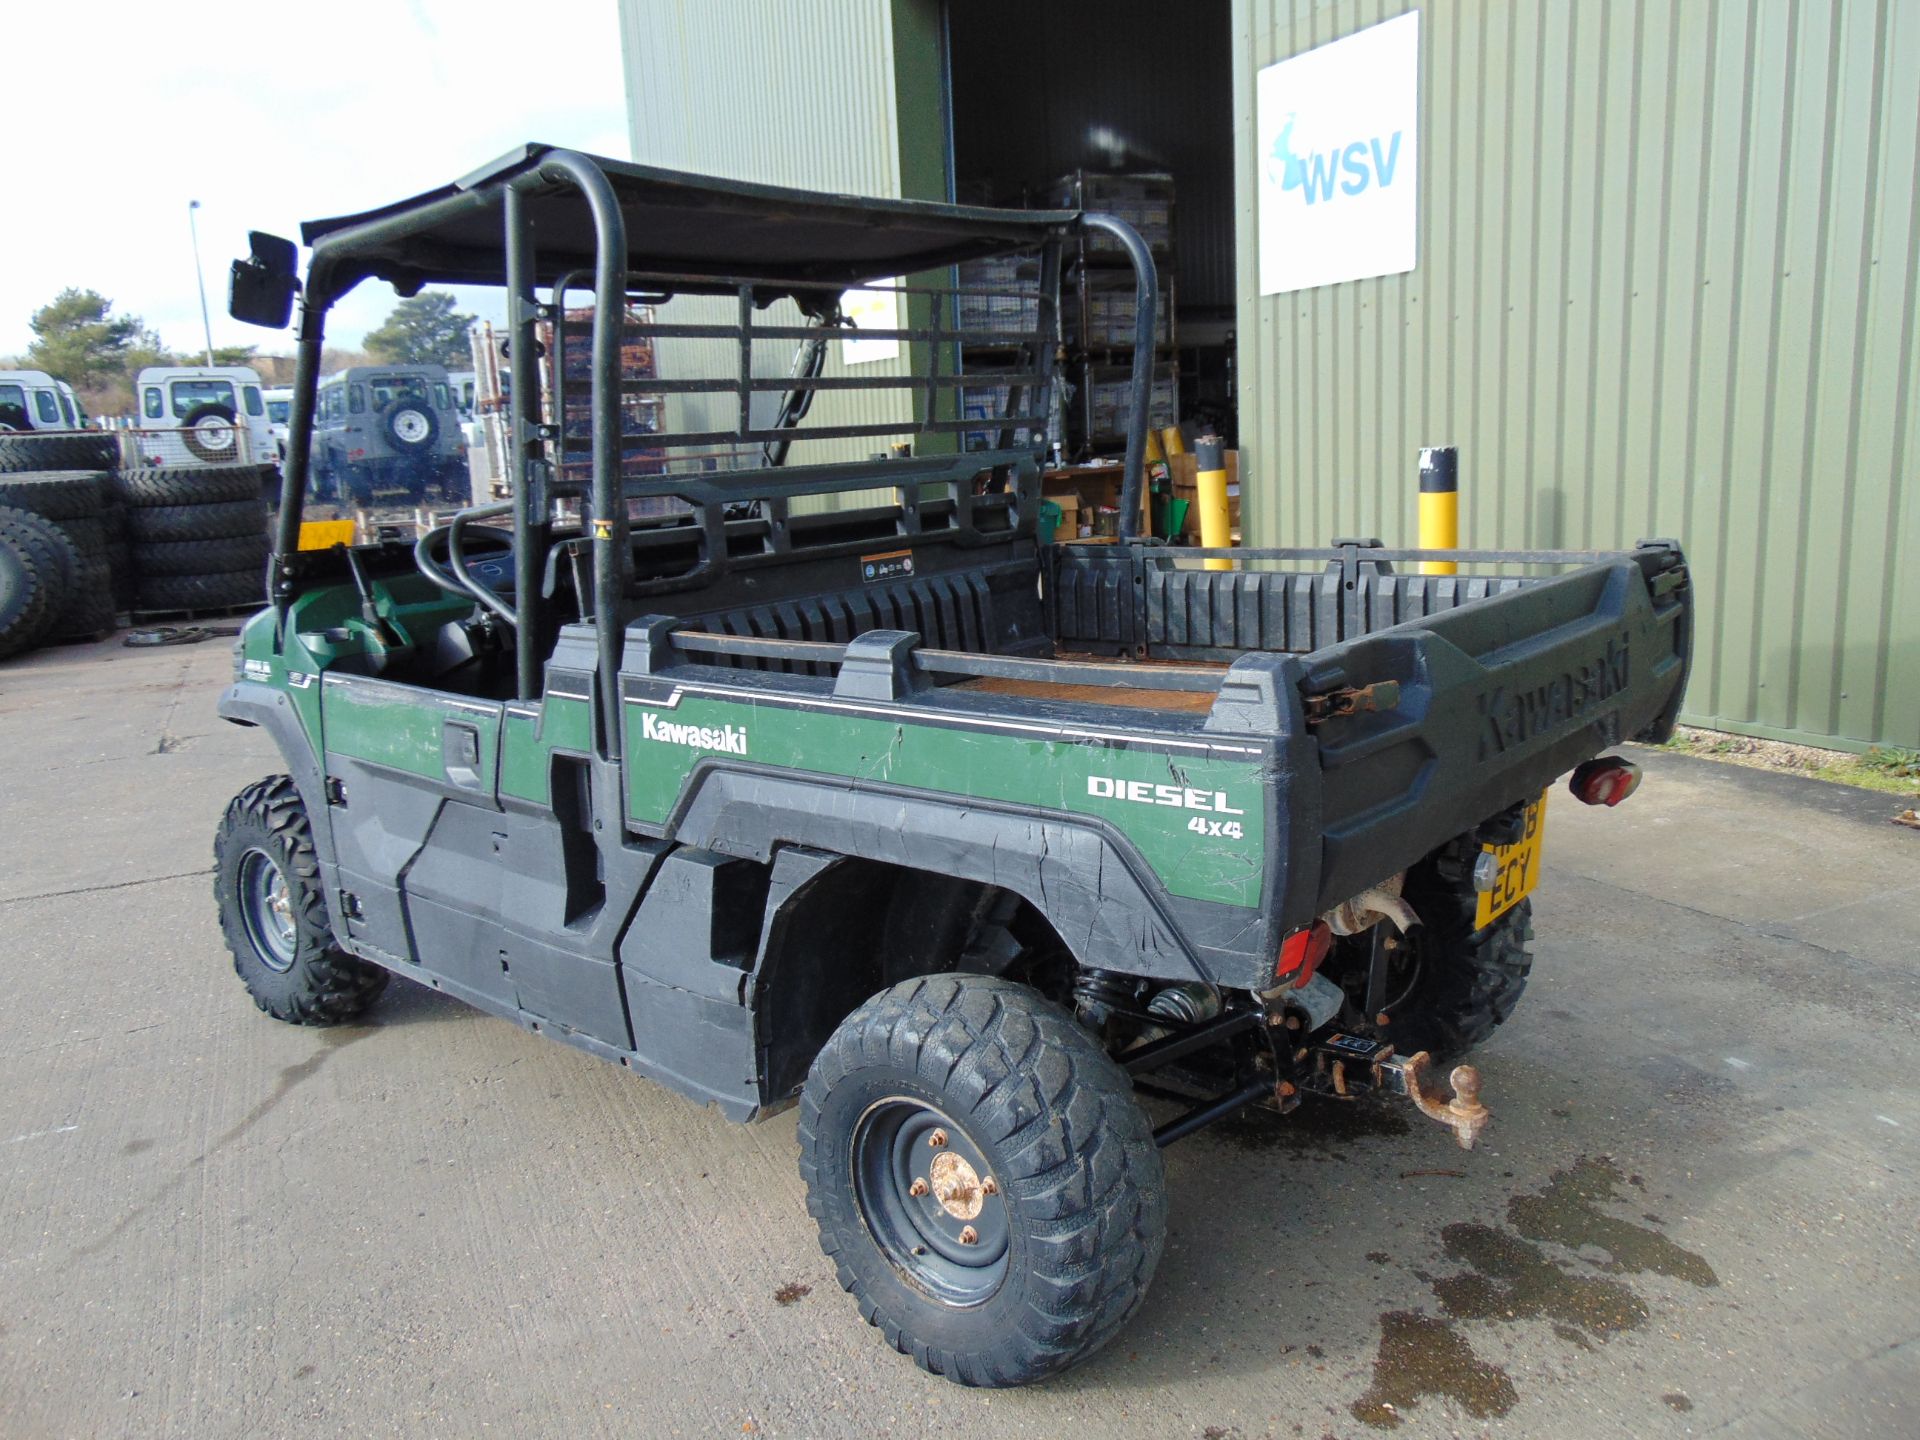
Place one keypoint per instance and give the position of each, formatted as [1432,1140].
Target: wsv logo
[1323,175]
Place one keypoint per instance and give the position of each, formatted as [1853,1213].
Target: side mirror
[260,289]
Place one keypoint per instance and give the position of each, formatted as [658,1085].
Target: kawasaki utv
[819,778]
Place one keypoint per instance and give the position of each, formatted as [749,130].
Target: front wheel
[983,1178]
[266,876]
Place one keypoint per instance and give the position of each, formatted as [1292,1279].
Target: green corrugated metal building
[1668,253]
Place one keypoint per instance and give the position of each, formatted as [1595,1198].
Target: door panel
[505,904]
[397,756]
[404,728]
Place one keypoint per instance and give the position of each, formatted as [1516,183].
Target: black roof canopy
[710,230]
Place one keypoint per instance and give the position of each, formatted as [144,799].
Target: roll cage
[541,216]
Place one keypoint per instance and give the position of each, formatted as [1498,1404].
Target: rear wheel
[983,1178]
[1454,984]
[266,877]
[356,484]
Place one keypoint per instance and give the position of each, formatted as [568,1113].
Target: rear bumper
[1498,698]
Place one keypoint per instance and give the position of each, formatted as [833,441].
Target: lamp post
[206,324]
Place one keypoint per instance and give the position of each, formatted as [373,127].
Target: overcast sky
[269,114]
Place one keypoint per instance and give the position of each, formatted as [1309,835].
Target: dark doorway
[1043,90]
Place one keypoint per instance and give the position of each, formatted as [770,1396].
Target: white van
[203,415]
[34,400]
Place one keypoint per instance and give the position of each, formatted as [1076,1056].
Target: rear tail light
[1606,781]
[1302,952]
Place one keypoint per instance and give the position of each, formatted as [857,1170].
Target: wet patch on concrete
[1512,1275]
[135,1147]
[1510,1279]
[792,1293]
[1676,1401]
[1567,1213]
[1421,1357]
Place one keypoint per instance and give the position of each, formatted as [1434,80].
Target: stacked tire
[196,535]
[38,568]
[58,484]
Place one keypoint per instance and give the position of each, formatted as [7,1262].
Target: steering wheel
[455,576]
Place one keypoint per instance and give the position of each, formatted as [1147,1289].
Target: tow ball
[1344,1065]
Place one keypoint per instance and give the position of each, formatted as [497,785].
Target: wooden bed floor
[1186,702]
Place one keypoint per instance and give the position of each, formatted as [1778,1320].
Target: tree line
[77,338]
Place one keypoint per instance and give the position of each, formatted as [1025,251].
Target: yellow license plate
[325,534]
[1519,868]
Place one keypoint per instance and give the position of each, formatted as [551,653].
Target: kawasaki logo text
[730,740]
[1513,718]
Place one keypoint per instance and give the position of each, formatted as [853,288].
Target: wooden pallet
[144,618]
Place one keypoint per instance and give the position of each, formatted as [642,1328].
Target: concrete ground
[1696,1214]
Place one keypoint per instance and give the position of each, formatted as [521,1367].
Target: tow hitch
[1344,1065]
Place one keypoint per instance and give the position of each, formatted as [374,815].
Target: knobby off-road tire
[54,553]
[90,609]
[197,522]
[150,486]
[1068,1204]
[1469,981]
[55,495]
[216,591]
[38,581]
[88,534]
[204,557]
[266,878]
[26,604]
[58,452]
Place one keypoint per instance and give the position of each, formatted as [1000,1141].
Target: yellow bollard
[1172,441]
[1439,506]
[1216,532]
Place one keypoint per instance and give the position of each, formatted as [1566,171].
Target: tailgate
[1497,698]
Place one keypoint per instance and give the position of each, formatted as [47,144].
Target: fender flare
[249,703]
[1086,883]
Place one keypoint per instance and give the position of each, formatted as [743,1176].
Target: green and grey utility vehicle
[785,778]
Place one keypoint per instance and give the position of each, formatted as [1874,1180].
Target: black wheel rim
[930,1200]
[266,904]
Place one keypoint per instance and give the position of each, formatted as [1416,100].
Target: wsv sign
[1338,130]
[1343,170]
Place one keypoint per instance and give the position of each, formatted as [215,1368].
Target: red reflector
[1302,952]
[1606,781]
